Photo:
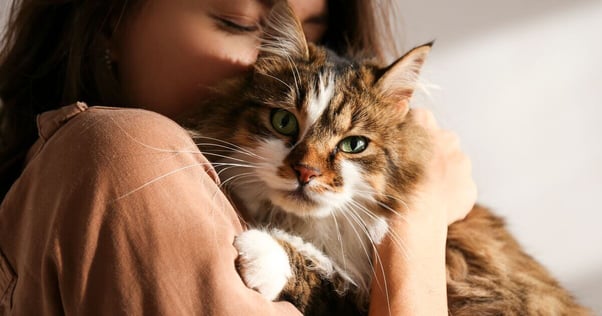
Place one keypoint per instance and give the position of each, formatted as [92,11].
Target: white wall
[521,82]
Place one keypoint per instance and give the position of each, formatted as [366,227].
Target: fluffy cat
[320,151]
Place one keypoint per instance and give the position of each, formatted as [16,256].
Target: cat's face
[315,133]
[321,135]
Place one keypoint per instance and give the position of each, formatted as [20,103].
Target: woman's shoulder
[109,138]
[109,122]
[137,117]
[116,150]
[98,127]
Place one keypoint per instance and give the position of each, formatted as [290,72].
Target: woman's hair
[363,28]
[53,52]
[52,55]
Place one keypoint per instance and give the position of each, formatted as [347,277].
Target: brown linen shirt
[118,213]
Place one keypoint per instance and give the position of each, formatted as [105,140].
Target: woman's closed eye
[231,25]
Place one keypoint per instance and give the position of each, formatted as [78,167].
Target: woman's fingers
[425,118]
[448,182]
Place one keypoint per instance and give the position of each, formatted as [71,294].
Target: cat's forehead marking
[319,99]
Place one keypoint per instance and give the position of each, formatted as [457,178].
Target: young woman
[95,221]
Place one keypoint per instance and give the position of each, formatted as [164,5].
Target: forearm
[413,255]
[413,262]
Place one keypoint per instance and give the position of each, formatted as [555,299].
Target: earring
[107,59]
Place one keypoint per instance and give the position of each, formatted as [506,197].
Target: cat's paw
[262,263]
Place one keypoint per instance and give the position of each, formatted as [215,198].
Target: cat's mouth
[300,195]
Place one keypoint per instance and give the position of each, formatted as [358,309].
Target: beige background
[521,82]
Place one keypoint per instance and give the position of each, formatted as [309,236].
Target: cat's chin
[300,204]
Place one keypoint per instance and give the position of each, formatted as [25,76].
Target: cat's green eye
[353,144]
[284,122]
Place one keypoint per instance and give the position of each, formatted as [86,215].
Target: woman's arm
[414,280]
[118,213]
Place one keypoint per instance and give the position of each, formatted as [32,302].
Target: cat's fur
[318,210]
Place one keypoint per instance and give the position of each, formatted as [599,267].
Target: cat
[320,150]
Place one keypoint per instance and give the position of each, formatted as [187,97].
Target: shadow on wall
[461,19]
[589,290]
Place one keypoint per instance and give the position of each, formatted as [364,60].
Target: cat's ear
[282,35]
[398,81]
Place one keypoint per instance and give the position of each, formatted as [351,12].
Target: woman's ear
[109,49]
[398,81]
[111,35]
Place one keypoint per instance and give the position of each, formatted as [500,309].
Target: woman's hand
[447,189]
[410,275]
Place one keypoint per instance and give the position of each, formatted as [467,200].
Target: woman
[99,222]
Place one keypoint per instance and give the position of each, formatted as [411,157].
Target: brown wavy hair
[52,55]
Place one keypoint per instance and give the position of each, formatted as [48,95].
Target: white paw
[262,263]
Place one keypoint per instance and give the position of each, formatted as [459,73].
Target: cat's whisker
[265,165]
[228,167]
[242,149]
[364,209]
[220,151]
[227,149]
[383,286]
[221,165]
[225,168]
[398,199]
[229,182]
[247,181]
[244,179]
[162,150]
[295,72]
[358,219]
[374,250]
[340,239]
[235,184]
[159,178]
[226,160]
[387,207]
[359,222]
[223,183]
[226,157]
[395,212]
[278,79]
[370,192]
[353,216]
[394,235]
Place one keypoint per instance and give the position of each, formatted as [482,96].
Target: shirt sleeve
[139,224]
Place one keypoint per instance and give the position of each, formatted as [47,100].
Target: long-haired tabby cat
[320,151]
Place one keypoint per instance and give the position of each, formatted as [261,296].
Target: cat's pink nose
[306,173]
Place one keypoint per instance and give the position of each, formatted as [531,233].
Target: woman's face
[171,51]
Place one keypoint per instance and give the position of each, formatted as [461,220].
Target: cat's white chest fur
[346,238]
[355,237]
